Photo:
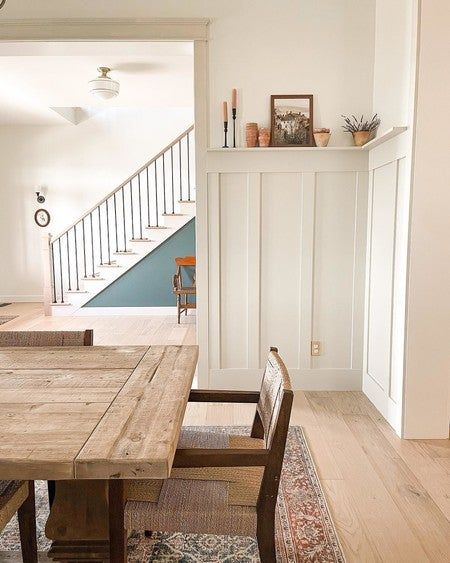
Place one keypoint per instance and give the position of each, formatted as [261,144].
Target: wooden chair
[18,496]
[182,293]
[47,338]
[220,484]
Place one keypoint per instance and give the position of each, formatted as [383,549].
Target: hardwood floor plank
[355,543]
[418,508]
[383,521]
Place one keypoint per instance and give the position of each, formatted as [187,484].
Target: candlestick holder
[225,131]
[233,114]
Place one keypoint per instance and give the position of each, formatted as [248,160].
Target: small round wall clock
[42,217]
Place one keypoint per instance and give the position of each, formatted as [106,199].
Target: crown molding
[105,29]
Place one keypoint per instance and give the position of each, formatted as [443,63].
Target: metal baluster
[188,168]
[148,199]
[164,183]
[140,204]
[132,212]
[52,251]
[76,255]
[68,260]
[92,246]
[84,248]
[61,271]
[173,188]
[115,223]
[100,239]
[107,233]
[156,196]
[124,221]
[181,182]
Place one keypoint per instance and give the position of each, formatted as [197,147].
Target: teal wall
[149,282]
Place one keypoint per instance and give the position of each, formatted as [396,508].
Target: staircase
[123,228]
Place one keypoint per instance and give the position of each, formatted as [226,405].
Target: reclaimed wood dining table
[82,416]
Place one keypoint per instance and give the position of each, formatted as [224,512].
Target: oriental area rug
[305,532]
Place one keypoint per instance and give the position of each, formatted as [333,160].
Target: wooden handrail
[123,184]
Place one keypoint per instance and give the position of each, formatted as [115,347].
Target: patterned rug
[5,319]
[305,532]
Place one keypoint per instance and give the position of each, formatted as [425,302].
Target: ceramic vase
[264,137]
[251,134]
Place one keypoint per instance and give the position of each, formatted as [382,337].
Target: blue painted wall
[149,282]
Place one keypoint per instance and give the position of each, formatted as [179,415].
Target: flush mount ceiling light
[104,87]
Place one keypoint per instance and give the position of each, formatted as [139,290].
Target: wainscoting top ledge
[386,136]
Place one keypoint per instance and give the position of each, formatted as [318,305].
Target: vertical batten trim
[369,272]
[394,244]
[355,243]
[253,270]
[307,234]
[215,282]
[201,224]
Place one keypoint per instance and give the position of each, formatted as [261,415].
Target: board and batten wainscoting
[385,302]
[287,245]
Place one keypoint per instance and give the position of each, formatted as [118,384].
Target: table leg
[78,522]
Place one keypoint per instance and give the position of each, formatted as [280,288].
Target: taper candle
[233,98]
[225,111]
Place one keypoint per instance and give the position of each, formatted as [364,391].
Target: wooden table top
[95,412]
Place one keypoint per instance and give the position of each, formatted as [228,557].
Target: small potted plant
[361,129]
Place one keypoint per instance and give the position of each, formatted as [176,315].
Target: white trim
[105,29]
[124,311]
[304,379]
[14,298]
[201,120]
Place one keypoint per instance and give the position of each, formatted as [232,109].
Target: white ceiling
[34,77]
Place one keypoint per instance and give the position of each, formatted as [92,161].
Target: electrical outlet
[315,348]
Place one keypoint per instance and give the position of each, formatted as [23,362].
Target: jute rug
[5,319]
[305,532]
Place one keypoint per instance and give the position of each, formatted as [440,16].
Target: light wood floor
[390,498]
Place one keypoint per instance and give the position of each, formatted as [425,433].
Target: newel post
[47,261]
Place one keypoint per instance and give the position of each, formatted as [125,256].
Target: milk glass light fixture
[104,87]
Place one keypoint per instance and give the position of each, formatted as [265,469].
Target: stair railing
[122,217]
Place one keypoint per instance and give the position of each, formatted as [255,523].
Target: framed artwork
[292,120]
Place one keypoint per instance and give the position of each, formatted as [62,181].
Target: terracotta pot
[360,138]
[264,137]
[322,139]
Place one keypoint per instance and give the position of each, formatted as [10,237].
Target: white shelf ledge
[386,136]
[282,149]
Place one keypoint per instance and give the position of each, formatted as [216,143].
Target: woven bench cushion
[12,496]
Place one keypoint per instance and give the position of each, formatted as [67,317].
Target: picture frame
[292,120]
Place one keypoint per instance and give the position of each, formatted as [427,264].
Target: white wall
[287,237]
[392,61]
[427,354]
[79,165]
[388,210]
[262,47]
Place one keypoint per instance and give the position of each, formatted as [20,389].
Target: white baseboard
[39,298]
[391,411]
[124,311]
[306,380]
